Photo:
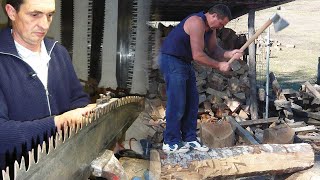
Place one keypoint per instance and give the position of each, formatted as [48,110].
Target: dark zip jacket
[27,109]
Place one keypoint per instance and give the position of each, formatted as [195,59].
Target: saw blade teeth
[90,118]
[45,147]
[31,157]
[41,152]
[15,169]
[87,119]
[51,144]
[65,133]
[56,139]
[5,174]
[23,166]
[59,139]
[70,131]
[89,35]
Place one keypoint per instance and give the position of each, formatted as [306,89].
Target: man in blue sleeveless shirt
[187,42]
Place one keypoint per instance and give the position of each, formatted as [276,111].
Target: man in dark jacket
[39,89]
[194,38]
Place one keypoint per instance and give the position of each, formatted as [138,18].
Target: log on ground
[239,161]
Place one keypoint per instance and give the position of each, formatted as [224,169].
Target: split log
[281,134]
[314,92]
[280,96]
[239,161]
[233,104]
[217,135]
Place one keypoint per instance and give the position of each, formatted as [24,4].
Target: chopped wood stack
[223,94]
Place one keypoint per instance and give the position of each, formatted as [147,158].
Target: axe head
[278,22]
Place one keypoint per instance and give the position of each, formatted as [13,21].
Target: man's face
[31,23]
[215,22]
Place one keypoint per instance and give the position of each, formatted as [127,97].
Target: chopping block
[217,134]
[281,134]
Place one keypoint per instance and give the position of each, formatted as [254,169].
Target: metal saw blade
[82,37]
[67,24]
[55,27]
[109,46]
[140,76]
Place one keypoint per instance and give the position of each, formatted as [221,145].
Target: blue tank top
[177,43]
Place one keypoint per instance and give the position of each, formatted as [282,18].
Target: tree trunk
[239,161]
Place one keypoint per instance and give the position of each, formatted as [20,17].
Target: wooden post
[252,68]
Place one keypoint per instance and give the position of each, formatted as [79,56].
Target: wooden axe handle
[252,38]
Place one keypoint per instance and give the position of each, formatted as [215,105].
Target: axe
[278,23]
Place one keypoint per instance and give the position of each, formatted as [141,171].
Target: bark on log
[239,161]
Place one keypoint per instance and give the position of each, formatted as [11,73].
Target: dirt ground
[292,66]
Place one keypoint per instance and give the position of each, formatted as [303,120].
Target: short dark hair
[221,10]
[15,4]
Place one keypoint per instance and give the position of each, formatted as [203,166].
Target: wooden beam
[259,121]
[238,161]
[242,132]
[302,113]
[252,68]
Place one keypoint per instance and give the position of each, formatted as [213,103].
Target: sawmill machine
[113,43]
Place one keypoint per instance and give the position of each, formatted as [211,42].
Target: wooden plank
[259,121]
[241,131]
[310,128]
[238,161]
[313,115]
[306,137]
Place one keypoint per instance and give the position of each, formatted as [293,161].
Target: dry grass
[292,66]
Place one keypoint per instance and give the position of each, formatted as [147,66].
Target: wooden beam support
[259,121]
[252,68]
[241,131]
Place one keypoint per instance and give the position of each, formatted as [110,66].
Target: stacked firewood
[223,93]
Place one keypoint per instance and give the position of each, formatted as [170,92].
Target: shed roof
[176,10]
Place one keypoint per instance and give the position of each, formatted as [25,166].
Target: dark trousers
[182,99]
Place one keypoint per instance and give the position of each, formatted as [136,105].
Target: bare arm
[195,27]
[219,53]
